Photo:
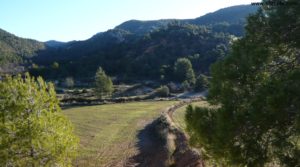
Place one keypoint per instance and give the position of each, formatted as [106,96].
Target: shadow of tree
[151,147]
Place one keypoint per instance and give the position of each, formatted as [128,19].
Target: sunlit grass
[108,132]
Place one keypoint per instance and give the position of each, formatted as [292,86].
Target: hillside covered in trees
[15,51]
[137,49]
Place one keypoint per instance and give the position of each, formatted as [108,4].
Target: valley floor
[108,133]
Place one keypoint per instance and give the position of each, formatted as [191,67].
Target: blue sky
[66,20]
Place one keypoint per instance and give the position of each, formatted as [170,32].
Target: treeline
[129,56]
[134,49]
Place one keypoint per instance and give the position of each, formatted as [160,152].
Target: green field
[179,114]
[108,132]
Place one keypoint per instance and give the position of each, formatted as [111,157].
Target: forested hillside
[146,56]
[231,19]
[148,49]
[134,49]
[15,50]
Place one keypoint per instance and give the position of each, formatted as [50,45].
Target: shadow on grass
[151,147]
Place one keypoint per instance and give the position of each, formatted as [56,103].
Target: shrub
[163,91]
[69,82]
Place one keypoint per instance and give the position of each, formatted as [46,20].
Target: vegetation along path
[162,144]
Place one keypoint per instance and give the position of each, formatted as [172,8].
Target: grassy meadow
[108,132]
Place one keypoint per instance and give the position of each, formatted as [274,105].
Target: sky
[66,20]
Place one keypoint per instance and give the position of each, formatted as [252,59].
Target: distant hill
[121,53]
[143,27]
[136,48]
[15,50]
[231,15]
[54,43]
[235,16]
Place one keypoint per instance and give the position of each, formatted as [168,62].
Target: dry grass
[108,132]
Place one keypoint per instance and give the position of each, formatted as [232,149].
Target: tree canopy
[257,89]
[103,83]
[183,71]
[33,131]
[201,83]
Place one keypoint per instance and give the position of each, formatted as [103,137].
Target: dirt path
[151,149]
[161,144]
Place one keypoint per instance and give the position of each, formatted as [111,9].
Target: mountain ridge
[130,37]
[234,14]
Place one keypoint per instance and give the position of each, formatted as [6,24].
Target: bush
[69,82]
[163,91]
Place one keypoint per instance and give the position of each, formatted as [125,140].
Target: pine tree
[257,89]
[33,131]
[201,83]
[183,71]
[103,83]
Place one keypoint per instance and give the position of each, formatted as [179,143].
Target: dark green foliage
[33,131]
[185,85]
[285,21]
[201,124]
[257,87]
[139,49]
[135,49]
[231,15]
[234,16]
[163,91]
[55,65]
[183,71]
[151,56]
[143,27]
[103,83]
[201,83]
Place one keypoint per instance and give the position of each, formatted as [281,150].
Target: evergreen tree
[69,82]
[201,83]
[33,131]
[55,65]
[163,91]
[103,83]
[257,89]
[183,71]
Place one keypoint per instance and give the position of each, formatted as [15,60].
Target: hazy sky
[66,20]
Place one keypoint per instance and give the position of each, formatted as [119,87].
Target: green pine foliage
[201,83]
[257,89]
[33,131]
[103,83]
[183,71]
